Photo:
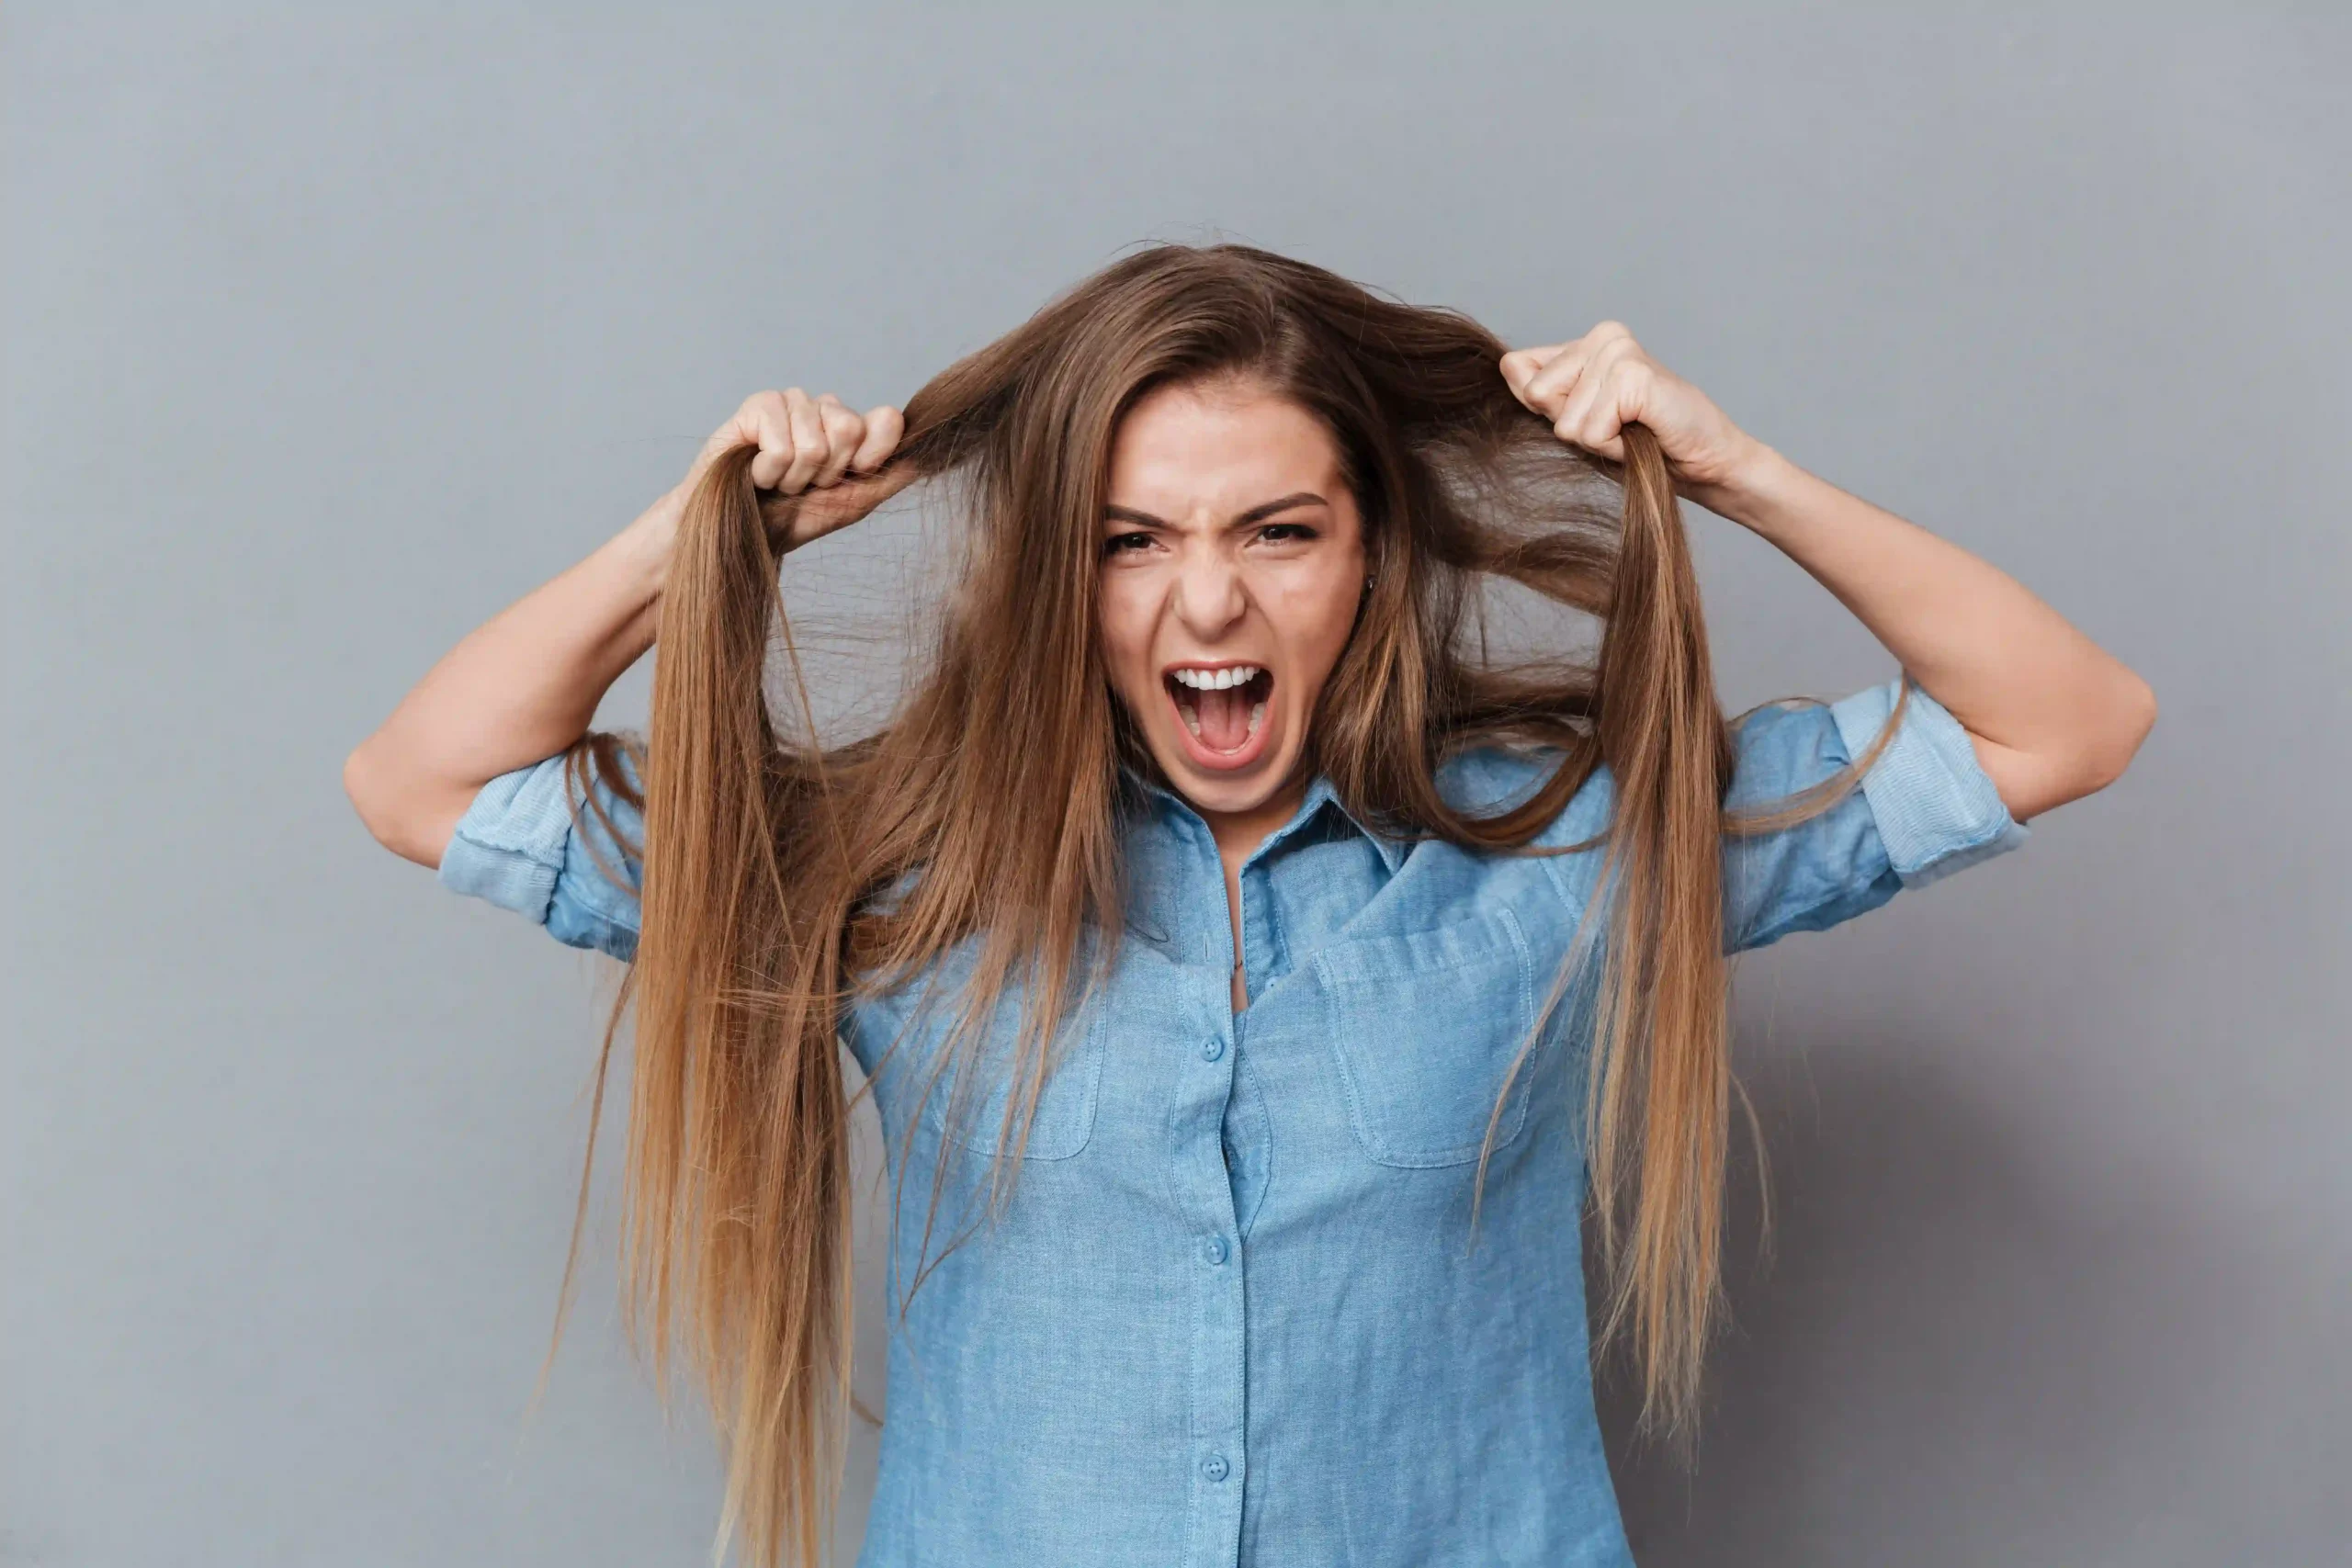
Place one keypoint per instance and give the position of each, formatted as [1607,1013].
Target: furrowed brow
[1258,514]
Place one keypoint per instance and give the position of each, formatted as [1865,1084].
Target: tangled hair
[766,857]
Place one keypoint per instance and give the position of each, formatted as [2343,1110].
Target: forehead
[1221,447]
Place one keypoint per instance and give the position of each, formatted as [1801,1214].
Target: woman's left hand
[1592,388]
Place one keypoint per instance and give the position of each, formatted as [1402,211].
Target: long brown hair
[766,855]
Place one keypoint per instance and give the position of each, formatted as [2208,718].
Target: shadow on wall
[1949,1358]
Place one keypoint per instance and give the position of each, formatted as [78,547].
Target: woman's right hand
[526,684]
[818,447]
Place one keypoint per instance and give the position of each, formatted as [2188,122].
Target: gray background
[331,330]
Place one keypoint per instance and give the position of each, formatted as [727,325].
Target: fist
[1592,388]
[819,447]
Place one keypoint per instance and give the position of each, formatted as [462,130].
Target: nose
[1209,595]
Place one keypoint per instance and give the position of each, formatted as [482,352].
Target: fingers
[855,443]
[883,426]
[1552,389]
[763,422]
[843,431]
[806,424]
[806,443]
[1548,378]
[1594,411]
[1584,387]
[1520,365]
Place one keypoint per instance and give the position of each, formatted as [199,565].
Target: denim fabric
[1234,1313]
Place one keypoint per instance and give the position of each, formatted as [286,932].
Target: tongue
[1224,718]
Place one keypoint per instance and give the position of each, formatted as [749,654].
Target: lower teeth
[1192,720]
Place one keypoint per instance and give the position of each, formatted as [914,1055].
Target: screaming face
[1233,562]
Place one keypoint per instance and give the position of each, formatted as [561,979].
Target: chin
[1222,793]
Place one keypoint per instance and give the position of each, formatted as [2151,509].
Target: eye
[1126,543]
[1286,532]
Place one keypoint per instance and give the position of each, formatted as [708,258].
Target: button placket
[1219,1363]
[1219,1355]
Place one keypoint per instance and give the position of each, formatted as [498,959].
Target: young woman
[1261,980]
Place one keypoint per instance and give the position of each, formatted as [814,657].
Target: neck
[1239,833]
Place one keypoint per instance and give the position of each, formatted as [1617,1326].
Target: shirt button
[1211,1048]
[1215,1467]
[1214,1249]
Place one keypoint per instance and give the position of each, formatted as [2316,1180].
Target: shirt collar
[1320,797]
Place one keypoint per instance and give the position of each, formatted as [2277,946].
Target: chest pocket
[1065,1116]
[1424,1026]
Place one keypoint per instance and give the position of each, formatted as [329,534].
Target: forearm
[520,687]
[2053,714]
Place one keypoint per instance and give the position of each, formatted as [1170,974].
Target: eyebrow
[1258,514]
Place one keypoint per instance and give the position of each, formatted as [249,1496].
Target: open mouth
[1222,708]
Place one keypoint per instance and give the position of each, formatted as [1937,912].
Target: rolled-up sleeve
[519,846]
[1925,808]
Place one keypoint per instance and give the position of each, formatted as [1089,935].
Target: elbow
[363,784]
[384,808]
[2127,719]
[2094,753]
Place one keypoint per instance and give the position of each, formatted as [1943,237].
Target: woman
[1309,969]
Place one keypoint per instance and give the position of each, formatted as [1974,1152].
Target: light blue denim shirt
[1233,1313]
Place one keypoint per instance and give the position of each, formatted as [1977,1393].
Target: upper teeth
[1216,680]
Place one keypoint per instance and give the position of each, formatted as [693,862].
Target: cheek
[1315,618]
[1125,625]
